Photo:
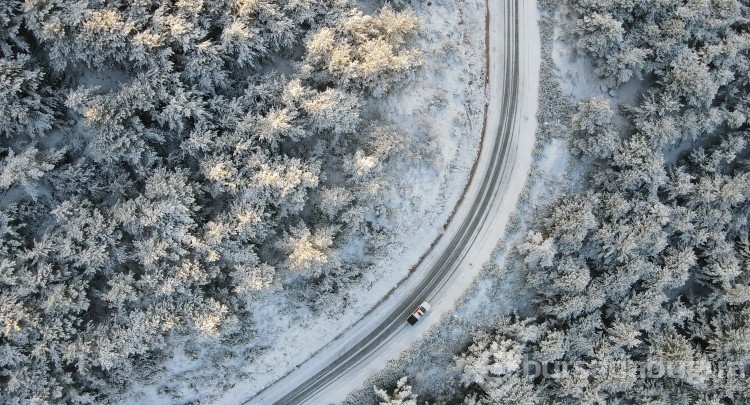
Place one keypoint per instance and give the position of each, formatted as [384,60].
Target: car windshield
[421,308]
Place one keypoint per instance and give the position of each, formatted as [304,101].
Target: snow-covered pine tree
[401,395]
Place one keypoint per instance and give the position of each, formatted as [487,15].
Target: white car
[419,313]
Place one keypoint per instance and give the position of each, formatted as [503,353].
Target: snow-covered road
[447,270]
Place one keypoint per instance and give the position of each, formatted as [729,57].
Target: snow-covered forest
[182,182]
[635,278]
[161,162]
[650,261]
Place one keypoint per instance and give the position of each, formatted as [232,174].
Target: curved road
[512,55]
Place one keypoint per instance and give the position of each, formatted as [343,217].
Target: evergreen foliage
[163,161]
[650,263]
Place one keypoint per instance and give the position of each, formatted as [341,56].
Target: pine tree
[27,108]
[402,394]
[27,169]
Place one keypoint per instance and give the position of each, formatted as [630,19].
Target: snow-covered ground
[443,104]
